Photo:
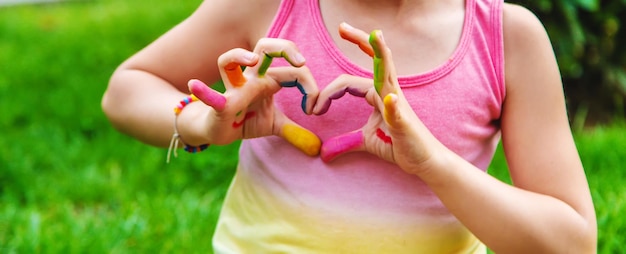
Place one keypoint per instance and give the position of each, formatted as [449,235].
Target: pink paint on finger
[340,145]
[207,95]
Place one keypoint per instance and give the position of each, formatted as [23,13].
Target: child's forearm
[141,105]
[506,218]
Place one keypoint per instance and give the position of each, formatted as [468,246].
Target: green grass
[70,183]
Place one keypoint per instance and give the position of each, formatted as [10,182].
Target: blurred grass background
[70,183]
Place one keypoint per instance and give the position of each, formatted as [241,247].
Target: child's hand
[393,131]
[246,108]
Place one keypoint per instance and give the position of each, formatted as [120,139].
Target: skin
[255,115]
[549,208]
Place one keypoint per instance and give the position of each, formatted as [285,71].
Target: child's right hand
[246,108]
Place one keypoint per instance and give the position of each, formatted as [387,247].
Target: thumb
[342,144]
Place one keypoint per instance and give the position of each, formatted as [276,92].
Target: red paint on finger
[245,118]
[383,136]
[207,95]
[339,145]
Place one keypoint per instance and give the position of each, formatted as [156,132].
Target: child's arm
[142,92]
[145,89]
[549,208]
[538,143]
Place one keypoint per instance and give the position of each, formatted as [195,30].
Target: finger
[301,79]
[346,143]
[270,48]
[303,139]
[207,95]
[385,78]
[379,65]
[230,64]
[356,36]
[357,86]
[390,113]
[234,73]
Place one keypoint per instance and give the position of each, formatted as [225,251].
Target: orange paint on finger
[235,74]
[362,45]
[302,139]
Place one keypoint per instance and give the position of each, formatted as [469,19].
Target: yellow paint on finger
[235,74]
[302,138]
[390,109]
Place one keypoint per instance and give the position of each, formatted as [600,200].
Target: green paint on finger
[269,56]
[267,61]
[379,65]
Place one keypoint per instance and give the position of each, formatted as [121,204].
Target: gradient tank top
[283,201]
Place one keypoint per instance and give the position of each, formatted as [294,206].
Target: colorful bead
[184,102]
[176,137]
[196,149]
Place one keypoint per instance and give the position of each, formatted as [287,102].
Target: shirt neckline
[404,80]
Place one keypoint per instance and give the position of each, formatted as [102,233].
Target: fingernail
[346,26]
[194,82]
[249,56]
[380,36]
[299,58]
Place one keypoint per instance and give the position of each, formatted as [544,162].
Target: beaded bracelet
[176,138]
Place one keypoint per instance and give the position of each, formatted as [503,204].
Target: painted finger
[207,95]
[346,143]
[230,64]
[385,78]
[379,66]
[303,139]
[356,36]
[390,113]
[234,73]
[301,79]
[357,86]
[271,48]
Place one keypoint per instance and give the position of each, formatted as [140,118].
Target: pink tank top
[284,201]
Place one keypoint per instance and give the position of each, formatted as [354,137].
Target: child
[401,160]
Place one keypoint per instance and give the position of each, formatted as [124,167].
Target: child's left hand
[393,131]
